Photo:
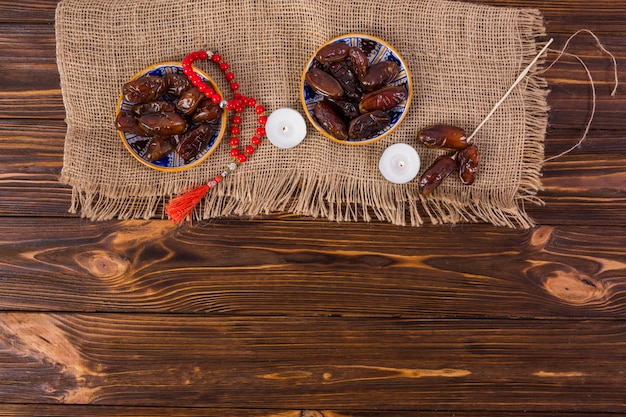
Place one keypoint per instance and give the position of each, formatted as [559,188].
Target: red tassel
[181,207]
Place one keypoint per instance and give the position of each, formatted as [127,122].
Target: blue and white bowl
[376,50]
[138,145]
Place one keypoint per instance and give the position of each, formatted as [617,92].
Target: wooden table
[287,316]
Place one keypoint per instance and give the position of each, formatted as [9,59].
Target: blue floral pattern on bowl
[138,145]
[376,50]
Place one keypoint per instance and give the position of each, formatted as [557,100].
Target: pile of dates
[464,158]
[172,115]
[356,95]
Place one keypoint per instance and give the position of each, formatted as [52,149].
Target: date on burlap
[462,57]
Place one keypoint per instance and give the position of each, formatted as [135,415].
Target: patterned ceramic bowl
[138,145]
[376,51]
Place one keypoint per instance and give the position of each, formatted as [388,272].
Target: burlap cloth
[462,57]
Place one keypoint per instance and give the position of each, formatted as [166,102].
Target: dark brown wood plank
[27,43]
[31,158]
[598,144]
[566,15]
[50,410]
[28,11]
[30,79]
[587,211]
[307,268]
[569,16]
[302,363]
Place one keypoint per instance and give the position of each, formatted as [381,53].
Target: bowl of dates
[165,122]
[356,89]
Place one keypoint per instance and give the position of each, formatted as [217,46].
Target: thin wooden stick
[504,97]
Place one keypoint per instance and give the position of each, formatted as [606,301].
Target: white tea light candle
[399,163]
[285,128]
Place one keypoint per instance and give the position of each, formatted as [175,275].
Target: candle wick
[285,128]
[401,164]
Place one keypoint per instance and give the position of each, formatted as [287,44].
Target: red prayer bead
[237,104]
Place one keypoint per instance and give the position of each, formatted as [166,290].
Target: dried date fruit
[127,122]
[177,83]
[207,112]
[443,137]
[436,173]
[342,73]
[360,63]
[384,99]
[329,120]
[153,107]
[144,89]
[194,141]
[334,52]
[347,110]
[368,124]
[159,147]
[379,75]
[467,161]
[163,124]
[162,110]
[324,83]
[189,100]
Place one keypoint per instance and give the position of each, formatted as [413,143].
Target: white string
[593,108]
[504,97]
[593,87]
[562,52]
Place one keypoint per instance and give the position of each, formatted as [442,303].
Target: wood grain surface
[297,317]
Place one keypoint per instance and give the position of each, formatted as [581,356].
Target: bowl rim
[408,99]
[220,135]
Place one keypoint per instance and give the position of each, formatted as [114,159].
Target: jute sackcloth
[462,57]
